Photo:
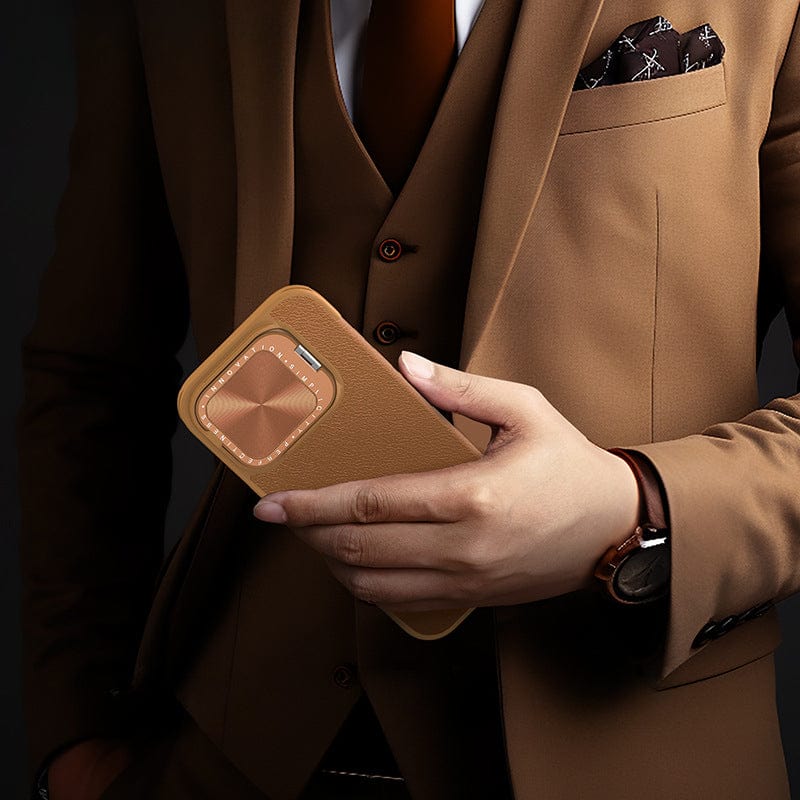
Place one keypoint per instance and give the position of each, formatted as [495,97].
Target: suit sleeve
[95,424]
[733,489]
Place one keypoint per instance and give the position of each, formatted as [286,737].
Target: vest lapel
[545,56]
[262,42]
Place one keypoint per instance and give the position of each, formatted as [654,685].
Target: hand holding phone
[296,398]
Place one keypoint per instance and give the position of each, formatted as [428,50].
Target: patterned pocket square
[651,49]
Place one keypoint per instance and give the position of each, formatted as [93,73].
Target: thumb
[489,400]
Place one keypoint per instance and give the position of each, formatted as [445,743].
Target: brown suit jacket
[634,244]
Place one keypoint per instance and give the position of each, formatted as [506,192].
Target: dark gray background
[37,82]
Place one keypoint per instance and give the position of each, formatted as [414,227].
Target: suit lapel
[262,40]
[545,57]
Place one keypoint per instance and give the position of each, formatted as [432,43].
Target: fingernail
[417,365]
[268,511]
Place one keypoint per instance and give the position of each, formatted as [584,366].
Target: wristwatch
[638,570]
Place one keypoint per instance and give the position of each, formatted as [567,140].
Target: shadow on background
[37,70]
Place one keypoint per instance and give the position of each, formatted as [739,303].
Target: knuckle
[369,504]
[475,556]
[362,587]
[467,586]
[349,548]
[482,500]
[465,387]
[535,395]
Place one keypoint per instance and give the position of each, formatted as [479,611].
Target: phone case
[296,398]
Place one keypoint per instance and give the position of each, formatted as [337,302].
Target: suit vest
[397,269]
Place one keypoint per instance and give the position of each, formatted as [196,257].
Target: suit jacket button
[747,615]
[755,611]
[759,611]
[707,632]
[727,624]
[387,332]
[344,675]
[390,250]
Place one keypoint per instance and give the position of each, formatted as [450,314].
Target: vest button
[344,675]
[387,332]
[390,250]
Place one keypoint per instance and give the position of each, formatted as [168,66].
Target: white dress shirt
[348,18]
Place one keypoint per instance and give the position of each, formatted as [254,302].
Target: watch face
[265,399]
[644,574]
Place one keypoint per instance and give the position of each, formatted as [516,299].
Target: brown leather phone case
[330,411]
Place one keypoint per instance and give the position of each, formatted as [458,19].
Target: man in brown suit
[589,269]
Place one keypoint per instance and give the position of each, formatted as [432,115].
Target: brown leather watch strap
[652,530]
[650,485]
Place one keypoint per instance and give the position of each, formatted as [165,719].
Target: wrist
[628,503]
[615,515]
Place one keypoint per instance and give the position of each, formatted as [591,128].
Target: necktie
[408,54]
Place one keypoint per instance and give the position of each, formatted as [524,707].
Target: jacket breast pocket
[637,102]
